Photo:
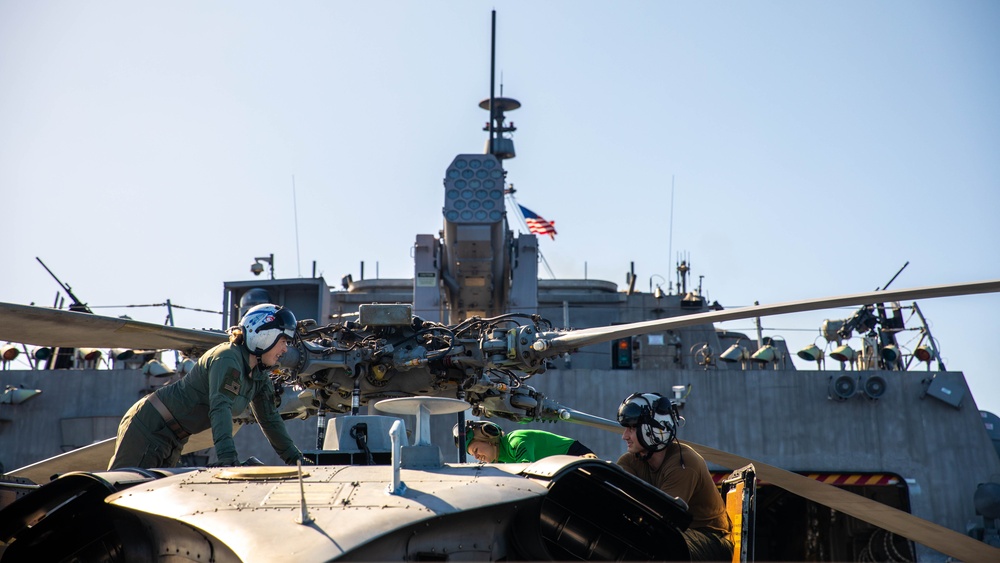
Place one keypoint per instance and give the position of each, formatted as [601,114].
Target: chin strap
[647,453]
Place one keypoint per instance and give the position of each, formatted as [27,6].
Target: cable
[155,305]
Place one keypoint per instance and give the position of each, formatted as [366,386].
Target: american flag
[536,224]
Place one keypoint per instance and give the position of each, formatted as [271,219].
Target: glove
[300,457]
[224,463]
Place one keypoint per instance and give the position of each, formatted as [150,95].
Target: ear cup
[662,405]
[482,429]
[491,430]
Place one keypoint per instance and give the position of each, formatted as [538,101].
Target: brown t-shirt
[693,484]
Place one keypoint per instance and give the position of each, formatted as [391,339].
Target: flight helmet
[263,324]
[253,297]
[653,416]
[479,430]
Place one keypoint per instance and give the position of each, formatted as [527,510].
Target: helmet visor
[283,320]
[629,414]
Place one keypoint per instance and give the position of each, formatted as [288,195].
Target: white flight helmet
[264,324]
[654,418]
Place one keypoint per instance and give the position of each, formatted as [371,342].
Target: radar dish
[500,104]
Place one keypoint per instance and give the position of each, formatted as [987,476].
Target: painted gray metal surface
[343,502]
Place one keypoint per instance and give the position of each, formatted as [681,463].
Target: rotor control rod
[567,414]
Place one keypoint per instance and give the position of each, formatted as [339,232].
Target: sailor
[227,379]
[655,456]
[488,443]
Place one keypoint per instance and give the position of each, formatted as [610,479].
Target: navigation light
[811,353]
[925,353]
[8,352]
[155,368]
[735,353]
[890,354]
[843,354]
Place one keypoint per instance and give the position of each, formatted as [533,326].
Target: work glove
[300,457]
[225,463]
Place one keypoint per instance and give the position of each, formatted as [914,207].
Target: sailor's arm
[267,415]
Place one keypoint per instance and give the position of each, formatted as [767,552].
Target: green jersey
[521,446]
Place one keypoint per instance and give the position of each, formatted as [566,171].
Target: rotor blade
[934,536]
[95,457]
[41,326]
[939,538]
[597,335]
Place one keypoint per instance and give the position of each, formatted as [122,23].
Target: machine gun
[64,356]
[865,321]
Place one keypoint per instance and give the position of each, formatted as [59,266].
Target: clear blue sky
[147,150]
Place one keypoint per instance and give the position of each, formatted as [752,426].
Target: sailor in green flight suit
[227,379]
[488,443]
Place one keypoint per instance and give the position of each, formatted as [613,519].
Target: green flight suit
[220,387]
[521,446]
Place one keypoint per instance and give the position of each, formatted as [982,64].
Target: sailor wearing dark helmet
[655,456]
[227,379]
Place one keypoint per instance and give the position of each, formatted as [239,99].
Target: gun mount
[477,267]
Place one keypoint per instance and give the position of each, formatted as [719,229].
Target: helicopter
[390,355]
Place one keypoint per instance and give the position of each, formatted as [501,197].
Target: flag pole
[546,264]
[517,211]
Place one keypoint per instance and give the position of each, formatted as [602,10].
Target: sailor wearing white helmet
[227,379]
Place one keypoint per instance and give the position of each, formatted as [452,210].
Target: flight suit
[220,387]
[521,446]
[685,475]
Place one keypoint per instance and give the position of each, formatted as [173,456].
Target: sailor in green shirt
[226,380]
[488,443]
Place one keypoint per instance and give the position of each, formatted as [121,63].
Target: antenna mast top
[496,144]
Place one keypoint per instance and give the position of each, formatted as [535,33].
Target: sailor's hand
[590,456]
[225,463]
[303,459]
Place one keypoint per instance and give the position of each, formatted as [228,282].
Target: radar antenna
[496,144]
